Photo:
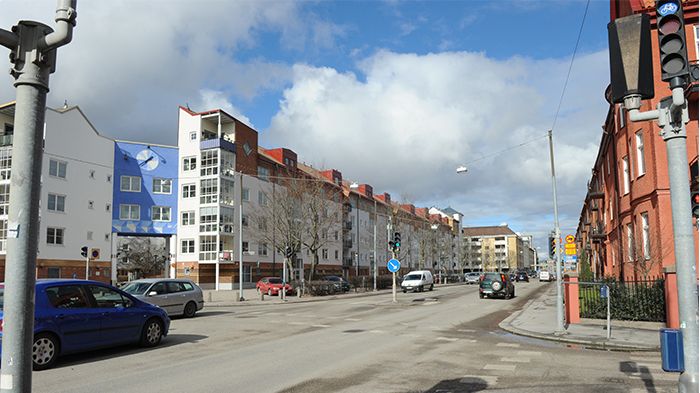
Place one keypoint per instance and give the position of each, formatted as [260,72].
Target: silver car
[472,277]
[175,296]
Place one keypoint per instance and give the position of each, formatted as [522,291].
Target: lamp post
[355,186]
[240,240]
[434,227]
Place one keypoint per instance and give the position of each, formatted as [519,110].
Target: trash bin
[672,350]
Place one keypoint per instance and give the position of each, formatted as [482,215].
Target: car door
[77,322]
[177,297]
[120,321]
[158,295]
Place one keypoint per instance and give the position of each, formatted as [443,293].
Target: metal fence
[629,301]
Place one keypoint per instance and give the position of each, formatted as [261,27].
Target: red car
[272,286]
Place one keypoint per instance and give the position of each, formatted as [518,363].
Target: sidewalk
[538,319]
[229,298]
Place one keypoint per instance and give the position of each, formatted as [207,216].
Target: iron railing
[629,301]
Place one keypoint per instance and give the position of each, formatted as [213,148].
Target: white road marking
[468,340]
[377,331]
[528,353]
[352,319]
[321,326]
[516,360]
[489,379]
[466,330]
[500,367]
[509,345]
[451,339]
[429,303]
[297,323]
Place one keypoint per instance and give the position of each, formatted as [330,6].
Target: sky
[396,94]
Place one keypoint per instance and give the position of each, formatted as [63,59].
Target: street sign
[570,245]
[604,291]
[570,258]
[570,239]
[570,251]
[393,265]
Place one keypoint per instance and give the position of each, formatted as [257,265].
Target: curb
[313,299]
[602,345]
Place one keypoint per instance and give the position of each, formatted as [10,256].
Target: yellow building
[493,248]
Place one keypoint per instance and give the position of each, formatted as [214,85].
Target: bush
[629,301]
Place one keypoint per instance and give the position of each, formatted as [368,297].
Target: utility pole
[240,239]
[374,272]
[557,236]
[33,48]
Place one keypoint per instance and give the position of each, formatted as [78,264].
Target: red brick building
[625,229]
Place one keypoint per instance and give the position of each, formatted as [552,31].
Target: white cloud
[209,99]
[409,120]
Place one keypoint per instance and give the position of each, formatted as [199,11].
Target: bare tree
[321,213]
[142,256]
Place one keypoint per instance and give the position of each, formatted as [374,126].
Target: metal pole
[374,272]
[240,240]
[357,223]
[33,57]
[674,134]
[87,266]
[284,278]
[557,236]
[393,280]
[607,293]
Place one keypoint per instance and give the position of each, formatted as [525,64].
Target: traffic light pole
[672,114]
[33,56]
[557,236]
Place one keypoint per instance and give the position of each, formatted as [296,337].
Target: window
[129,212]
[245,194]
[622,116]
[54,272]
[324,253]
[263,173]
[626,174]
[57,203]
[54,236]
[162,186]
[57,168]
[207,248]
[193,135]
[187,218]
[247,149]
[130,184]
[645,236]
[245,246]
[641,167]
[160,213]
[630,243]
[209,163]
[189,163]
[244,220]
[91,204]
[108,298]
[5,163]
[189,191]
[187,246]
[89,235]
[92,174]
[335,235]
[67,296]
[208,191]
[207,219]
[262,249]
[108,207]
[336,254]
[262,198]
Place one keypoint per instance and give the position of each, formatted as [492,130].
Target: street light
[462,169]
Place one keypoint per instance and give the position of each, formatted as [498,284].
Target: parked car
[472,277]
[272,286]
[522,276]
[174,295]
[77,315]
[493,284]
[339,283]
[417,281]
[545,276]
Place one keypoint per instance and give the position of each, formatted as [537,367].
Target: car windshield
[491,276]
[413,277]
[136,288]
[274,280]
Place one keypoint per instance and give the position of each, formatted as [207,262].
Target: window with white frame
[227,194]
[129,212]
[646,247]
[263,173]
[630,243]
[626,174]
[641,167]
[5,162]
[187,246]
[208,191]
[4,199]
[262,249]
[57,168]
[130,184]
[162,186]
[57,203]
[207,248]
[193,135]
[187,218]
[54,235]
[189,163]
[160,213]
[208,219]
[262,198]
[209,163]
[189,190]
[245,194]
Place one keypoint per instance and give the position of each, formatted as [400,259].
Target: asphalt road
[442,341]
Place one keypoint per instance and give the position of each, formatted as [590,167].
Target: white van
[417,280]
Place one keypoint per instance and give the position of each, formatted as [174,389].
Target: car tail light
[503,277]
[2,325]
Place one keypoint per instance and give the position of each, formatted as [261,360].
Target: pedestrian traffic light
[84,251]
[694,199]
[397,241]
[672,47]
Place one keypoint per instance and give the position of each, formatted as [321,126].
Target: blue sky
[396,94]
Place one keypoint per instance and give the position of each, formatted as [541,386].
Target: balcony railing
[6,140]
[220,143]
[598,232]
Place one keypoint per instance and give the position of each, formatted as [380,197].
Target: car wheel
[431,287]
[190,310]
[269,292]
[421,289]
[404,291]
[152,333]
[44,351]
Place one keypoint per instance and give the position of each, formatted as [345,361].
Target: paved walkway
[538,319]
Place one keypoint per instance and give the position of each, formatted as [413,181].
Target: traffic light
[672,48]
[84,251]
[694,199]
[552,246]
[397,241]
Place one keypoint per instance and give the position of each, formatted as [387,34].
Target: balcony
[347,262]
[347,243]
[594,206]
[217,143]
[6,140]
[598,232]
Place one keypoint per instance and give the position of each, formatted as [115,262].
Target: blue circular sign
[393,265]
[667,8]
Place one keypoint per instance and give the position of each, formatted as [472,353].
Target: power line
[527,142]
[573,56]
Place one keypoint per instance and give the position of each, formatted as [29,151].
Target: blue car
[78,315]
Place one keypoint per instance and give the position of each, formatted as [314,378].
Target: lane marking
[451,339]
[474,379]
[466,330]
[500,367]
[509,345]
[297,323]
[321,326]
[529,353]
[377,331]
[516,360]
[352,319]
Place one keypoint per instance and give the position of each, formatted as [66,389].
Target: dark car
[522,276]
[79,315]
[339,283]
[495,284]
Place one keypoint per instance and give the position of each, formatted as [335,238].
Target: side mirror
[152,293]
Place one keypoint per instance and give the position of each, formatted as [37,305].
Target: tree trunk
[312,268]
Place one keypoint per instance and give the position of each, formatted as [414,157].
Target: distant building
[493,248]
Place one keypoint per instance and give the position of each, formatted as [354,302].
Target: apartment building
[493,248]
[454,221]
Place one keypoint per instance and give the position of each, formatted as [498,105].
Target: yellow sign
[570,251]
[570,245]
[570,239]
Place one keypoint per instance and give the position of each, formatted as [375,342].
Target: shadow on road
[633,369]
[125,350]
[461,385]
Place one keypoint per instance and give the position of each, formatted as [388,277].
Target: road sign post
[393,265]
